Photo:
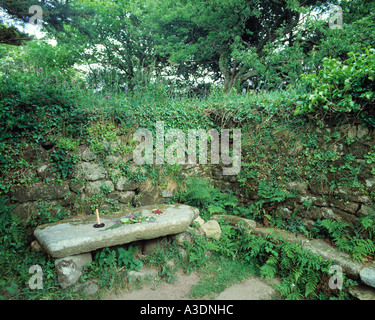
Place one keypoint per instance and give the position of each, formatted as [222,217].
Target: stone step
[76,236]
[365,272]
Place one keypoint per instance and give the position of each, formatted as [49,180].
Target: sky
[22,26]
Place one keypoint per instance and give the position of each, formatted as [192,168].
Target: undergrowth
[357,240]
[56,114]
[303,275]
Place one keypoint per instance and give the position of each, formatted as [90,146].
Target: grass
[218,275]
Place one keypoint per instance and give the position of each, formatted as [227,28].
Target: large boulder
[75,236]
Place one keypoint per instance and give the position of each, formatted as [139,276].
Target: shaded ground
[250,289]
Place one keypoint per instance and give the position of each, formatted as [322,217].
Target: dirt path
[250,289]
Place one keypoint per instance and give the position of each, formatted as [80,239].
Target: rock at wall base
[367,275]
[69,269]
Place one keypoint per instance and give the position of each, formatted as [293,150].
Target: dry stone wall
[95,182]
[99,180]
[344,187]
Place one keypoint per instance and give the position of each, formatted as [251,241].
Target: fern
[12,231]
[300,270]
[311,284]
[357,247]
[271,193]
[215,209]
[285,263]
[210,200]
[198,193]
[367,226]
[361,247]
[269,269]
[284,288]
[337,229]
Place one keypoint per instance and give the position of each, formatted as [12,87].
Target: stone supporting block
[69,269]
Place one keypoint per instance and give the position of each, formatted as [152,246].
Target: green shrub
[12,231]
[64,162]
[342,88]
[37,106]
[210,200]
[118,257]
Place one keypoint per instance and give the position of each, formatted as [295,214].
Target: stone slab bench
[77,236]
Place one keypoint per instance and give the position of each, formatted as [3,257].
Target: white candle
[97,217]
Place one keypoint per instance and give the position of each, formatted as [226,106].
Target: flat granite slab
[76,236]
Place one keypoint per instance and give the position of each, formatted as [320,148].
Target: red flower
[157,211]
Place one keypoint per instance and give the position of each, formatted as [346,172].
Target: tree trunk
[233,77]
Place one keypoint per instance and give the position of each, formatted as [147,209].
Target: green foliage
[269,192]
[348,238]
[15,274]
[303,274]
[43,99]
[126,258]
[136,175]
[118,257]
[341,87]
[33,106]
[366,226]
[12,231]
[64,162]
[100,136]
[101,198]
[46,213]
[294,225]
[370,158]
[210,200]
[198,193]
[229,38]
[269,196]
[128,55]
[16,257]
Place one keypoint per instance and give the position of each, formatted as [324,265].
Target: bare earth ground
[250,289]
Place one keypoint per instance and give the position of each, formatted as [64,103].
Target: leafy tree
[56,13]
[12,36]
[57,16]
[112,40]
[226,37]
[315,41]
[269,42]
[342,88]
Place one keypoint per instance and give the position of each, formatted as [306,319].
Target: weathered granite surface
[350,267]
[75,236]
[363,271]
